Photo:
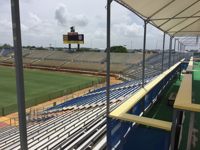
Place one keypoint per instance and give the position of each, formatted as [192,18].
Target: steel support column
[108,75]
[179,51]
[174,51]
[19,72]
[176,122]
[163,50]
[170,51]
[191,126]
[144,49]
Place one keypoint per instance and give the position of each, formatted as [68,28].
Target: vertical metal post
[175,50]
[144,49]
[170,50]
[178,50]
[174,53]
[163,50]
[174,134]
[191,126]
[181,50]
[108,75]
[174,44]
[19,72]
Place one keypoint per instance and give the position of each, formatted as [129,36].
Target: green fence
[38,100]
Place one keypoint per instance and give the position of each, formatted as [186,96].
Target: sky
[44,22]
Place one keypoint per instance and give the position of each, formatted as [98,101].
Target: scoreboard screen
[73,38]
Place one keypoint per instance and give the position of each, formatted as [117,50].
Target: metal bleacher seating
[78,128]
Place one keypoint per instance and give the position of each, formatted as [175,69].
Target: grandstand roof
[175,17]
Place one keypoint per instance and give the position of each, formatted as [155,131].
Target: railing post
[19,72]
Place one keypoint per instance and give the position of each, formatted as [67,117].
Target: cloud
[99,34]
[64,18]
[80,20]
[42,24]
[24,27]
[6,24]
[61,14]
[129,30]
[34,18]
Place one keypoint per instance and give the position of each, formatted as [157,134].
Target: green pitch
[40,85]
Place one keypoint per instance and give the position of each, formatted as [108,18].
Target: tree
[118,49]
[6,46]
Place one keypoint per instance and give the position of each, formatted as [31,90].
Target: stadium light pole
[19,72]
[108,75]
[144,49]
[163,50]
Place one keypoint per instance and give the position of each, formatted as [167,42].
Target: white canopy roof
[189,41]
[175,17]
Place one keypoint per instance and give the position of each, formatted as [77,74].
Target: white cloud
[34,18]
[61,14]
[4,23]
[128,30]
[64,17]
[42,24]
[24,27]
[99,34]
[79,20]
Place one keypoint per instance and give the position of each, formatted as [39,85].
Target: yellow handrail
[121,111]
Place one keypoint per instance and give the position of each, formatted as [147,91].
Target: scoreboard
[73,38]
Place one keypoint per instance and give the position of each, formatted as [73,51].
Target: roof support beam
[108,76]
[161,9]
[157,19]
[174,44]
[170,51]
[137,14]
[186,26]
[174,58]
[178,50]
[182,21]
[163,49]
[179,13]
[144,51]
[19,73]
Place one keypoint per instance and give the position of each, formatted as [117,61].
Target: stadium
[85,98]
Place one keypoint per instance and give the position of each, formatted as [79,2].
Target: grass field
[40,85]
